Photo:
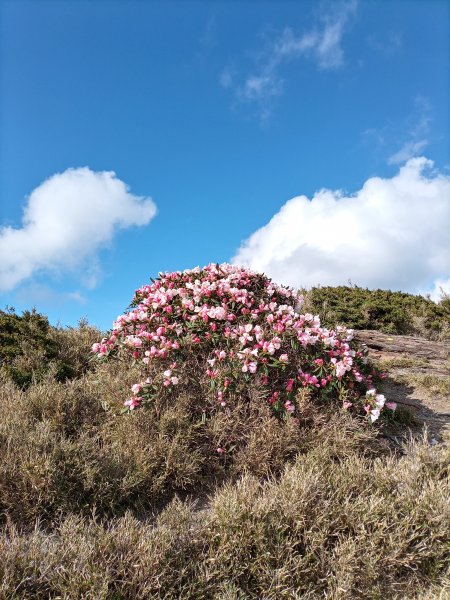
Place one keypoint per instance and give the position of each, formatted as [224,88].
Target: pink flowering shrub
[224,330]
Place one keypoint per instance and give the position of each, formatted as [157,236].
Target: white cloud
[440,288]
[226,78]
[37,294]
[327,49]
[385,43]
[417,130]
[257,87]
[393,234]
[65,221]
[322,45]
[407,151]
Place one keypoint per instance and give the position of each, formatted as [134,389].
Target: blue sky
[221,113]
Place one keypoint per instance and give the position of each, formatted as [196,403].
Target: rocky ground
[418,377]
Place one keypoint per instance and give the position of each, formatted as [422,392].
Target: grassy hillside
[98,505]
[382,310]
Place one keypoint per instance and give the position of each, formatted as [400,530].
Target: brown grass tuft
[337,529]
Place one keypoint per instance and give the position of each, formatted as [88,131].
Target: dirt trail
[419,376]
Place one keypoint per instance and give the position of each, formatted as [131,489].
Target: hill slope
[418,376]
[95,506]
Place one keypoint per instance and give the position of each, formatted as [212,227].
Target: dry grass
[74,345]
[401,362]
[335,525]
[436,385]
[99,506]
[64,447]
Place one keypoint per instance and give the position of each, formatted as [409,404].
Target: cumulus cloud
[322,45]
[65,221]
[393,233]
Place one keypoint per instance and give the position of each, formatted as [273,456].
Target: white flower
[374,414]
[380,400]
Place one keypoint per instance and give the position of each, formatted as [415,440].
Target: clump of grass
[403,416]
[332,526]
[73,346]
[436,385]
[432,383]
[401,362]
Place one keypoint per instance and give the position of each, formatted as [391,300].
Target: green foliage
[26,347]
[383,310]
[30,347]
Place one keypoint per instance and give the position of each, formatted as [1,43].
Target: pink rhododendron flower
[237,326]
[132,402]
[290,385]
[289,406]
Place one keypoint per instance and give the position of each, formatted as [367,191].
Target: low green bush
[383,310]
[31,347]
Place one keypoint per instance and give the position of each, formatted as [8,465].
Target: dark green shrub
[31,347]
[383,310]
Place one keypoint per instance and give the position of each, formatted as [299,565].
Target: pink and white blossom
[237,321]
